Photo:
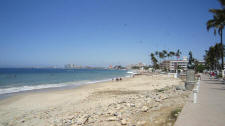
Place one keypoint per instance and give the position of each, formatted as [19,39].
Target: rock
[119,116]
[22,121]
[115,114]
[91,120]
[141,123]
[110,112]
[82,120]
[123,122]
[147,96]
[112,119]
[132,105]
[122,102]
[156,122]
[158,100]
[70,117]
[169,124]
[144,109]
[180,87]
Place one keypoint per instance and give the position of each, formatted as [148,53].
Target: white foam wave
[45,86]
[93,82]
[29,88]
[131,72]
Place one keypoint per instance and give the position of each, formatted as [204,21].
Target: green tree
[217,23]
[171,54]
[178,53]
[135,67]
[154,61]
[199,68]
[213,55]
[161,55]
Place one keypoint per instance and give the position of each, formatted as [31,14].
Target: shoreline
[64,86]
[16,95]
[47,108]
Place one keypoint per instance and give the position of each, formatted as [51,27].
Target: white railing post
[195,91]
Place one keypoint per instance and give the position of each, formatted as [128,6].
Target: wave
[98,81]
[45,86]
[131,72]
[29,88]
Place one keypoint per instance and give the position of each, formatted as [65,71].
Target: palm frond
[222,2]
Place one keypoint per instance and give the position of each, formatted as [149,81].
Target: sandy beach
[106,103]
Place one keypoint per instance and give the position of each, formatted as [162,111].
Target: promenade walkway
[210,107]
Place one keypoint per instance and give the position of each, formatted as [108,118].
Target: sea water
[13,80]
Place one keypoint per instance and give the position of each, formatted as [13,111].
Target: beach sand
[106,103]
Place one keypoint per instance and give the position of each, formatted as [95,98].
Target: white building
[172,65]
[70,66]
[178,64]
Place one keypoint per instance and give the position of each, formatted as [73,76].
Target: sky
[101,32]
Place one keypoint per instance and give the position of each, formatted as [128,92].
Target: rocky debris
[23,120]
[180,87]
[123,122]
[141,123]
[125,108]
[169,124]
[110,112]
[132,105]
[82,120]
[122,102]
[112,119]
[144,109]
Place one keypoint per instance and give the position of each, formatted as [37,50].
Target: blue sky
[100,32]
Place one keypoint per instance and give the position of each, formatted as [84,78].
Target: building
[138,66]
[110,67]
[72,66]
[178,64]
[173,65]
[201,62]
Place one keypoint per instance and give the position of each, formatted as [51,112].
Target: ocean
[14,80]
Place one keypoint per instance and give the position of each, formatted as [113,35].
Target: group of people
[117,79]
[212,74]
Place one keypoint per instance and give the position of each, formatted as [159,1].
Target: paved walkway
[210,107]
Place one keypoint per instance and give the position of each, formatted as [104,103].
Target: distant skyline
[101,32]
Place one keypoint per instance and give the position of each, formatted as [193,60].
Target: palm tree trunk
[221,42]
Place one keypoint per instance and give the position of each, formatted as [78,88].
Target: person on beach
[210,75]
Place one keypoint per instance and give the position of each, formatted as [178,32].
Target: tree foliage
[217,22]
[160,55]
[212,56]
[178,53]
[154,61]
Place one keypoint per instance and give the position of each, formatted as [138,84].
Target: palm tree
[178,53]
[164,53]
[218,23]
[171,54]
[161,55]
[213,55]
[157,54]
[210,58]
[154,61]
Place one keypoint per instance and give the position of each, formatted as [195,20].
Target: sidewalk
[210,107]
